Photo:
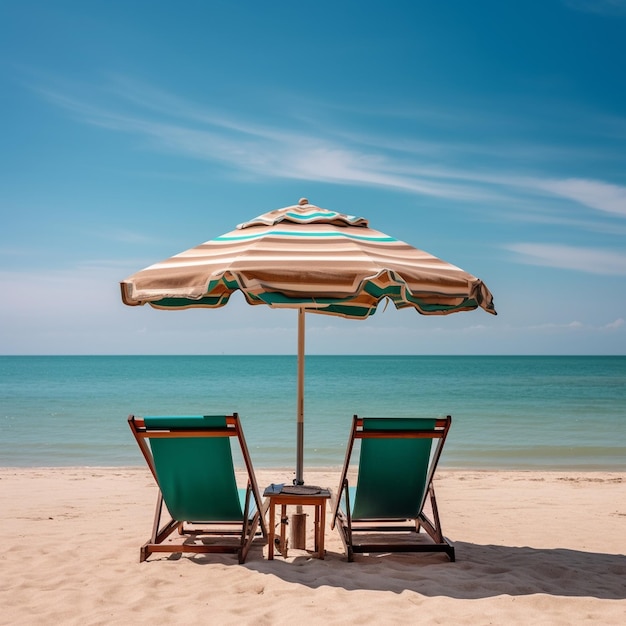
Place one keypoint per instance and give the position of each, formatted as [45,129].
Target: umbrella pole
[300,406]
[298,519]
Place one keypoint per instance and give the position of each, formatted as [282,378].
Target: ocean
[508,412]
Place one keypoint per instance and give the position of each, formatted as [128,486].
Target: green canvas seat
[397,463]
[191,460]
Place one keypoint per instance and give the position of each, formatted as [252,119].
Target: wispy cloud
[618,323]
[590,260]
[295,148]
[592,193]
[261,150]
[576,326]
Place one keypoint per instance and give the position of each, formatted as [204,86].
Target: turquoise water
[508,412]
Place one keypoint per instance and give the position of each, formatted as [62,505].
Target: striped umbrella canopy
[309,259]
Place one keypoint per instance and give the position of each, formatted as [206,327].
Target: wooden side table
[284,499]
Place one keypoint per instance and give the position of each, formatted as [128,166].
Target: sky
[491,134]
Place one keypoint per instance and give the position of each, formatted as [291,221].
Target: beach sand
[532,548]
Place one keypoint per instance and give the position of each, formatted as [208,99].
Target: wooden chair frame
[247,528]
[348,527]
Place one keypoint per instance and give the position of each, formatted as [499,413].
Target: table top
[295,491]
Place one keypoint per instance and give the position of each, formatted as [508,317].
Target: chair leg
[437,524]
[159,534]
[157,517]
[345,535]
[450,553]
[249,527]
[248,535]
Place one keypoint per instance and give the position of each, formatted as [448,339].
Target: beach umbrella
[310,259]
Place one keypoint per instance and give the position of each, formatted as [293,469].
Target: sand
[532,548]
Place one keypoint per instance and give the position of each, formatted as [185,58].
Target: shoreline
[532,546]
[337,469]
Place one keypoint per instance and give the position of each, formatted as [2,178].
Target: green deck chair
[191,461]
[397,464]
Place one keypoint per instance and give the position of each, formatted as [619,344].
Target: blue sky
[489,133]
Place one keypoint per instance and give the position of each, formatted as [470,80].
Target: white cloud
[265,151]
[575,325]
[589,260]
[592,193]
[618,323]
[324,153]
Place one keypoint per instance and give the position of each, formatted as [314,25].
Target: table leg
[270,546]
[316,534]
[322,528]
[283,530]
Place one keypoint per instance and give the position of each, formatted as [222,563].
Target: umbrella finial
[304,213]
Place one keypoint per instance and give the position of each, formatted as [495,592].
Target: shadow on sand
[481,571]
